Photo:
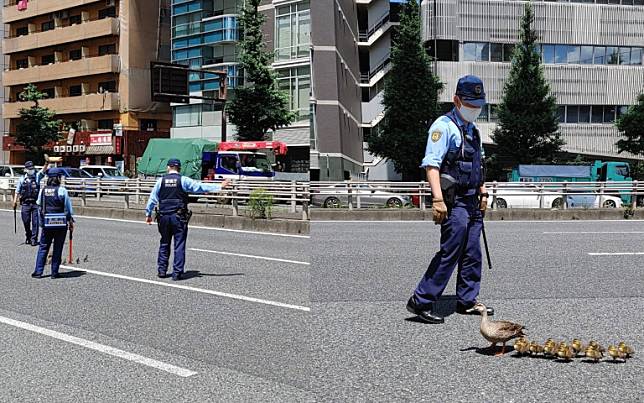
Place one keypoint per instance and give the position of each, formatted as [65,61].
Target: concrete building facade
[205,35]
[92,60]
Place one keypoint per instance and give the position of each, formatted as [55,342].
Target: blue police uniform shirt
[189,185]
[62,193]
[443,136]
[39,175]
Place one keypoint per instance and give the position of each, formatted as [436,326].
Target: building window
[496,52]
[22,63]
[105,124]
[187,115]
[586,55]
[47,59]
[49,92]
[75,19]
[584,114]
[476,51]
[561,113]
[107,12]
[597,115]
[107,49]
[107,86]
[446,50]
[75,90]
[21,31]
[47,26]
[292,31]
[296,82]
[149,125]
[612,55]
[75,54]
[599,55]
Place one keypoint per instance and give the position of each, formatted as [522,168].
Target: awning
[99,150]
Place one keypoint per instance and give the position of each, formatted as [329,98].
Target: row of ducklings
[593,350]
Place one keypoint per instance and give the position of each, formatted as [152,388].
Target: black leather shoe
[425,315]
[162,275]
[55,275]
[36,275]
[469,310]
[177,277]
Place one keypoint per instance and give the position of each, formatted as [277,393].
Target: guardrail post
[494,186]
[84,194]
[235,207]
[601,194]
[541,196]
[564,196]
[305,211]
[127,201]
[634,195]
[349,195]
[293,197]
[98,190]
[138,190]
[421,196]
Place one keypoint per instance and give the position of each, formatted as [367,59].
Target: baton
[487,250]
[15,225]
[71,245]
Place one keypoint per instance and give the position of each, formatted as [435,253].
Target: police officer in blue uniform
[56,216]
[27,190]
[455,171]
[170,193]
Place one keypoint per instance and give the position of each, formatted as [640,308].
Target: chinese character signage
[100,139]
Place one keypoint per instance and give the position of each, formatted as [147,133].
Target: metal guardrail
[365,34]
[353,194]
[295,194]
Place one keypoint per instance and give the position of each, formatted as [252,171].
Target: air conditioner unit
[110,3]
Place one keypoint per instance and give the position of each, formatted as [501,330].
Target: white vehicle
[528,196]
[9,175]
[592,200]
[104,172]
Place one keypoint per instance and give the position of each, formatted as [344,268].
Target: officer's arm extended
[437,146]
[193,186]
[154,199]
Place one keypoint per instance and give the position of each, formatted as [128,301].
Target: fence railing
[294,194]
[563,195]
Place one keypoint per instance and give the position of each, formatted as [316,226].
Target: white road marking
[594,232]
[615,253]
[192,226]
[182,372]
[250,256]
[195,289]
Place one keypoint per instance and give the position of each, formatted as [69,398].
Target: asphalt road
[235,330]
[366,348]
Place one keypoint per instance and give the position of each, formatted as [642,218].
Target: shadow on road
[196,273]
[71,274]
[490,351]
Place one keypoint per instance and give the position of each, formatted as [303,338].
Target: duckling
[593,354]
[615,353]
[596,345]
[498,331]
[626,350]
[550,348]
[577,346]
[535,348]
[521,346]
[565,352]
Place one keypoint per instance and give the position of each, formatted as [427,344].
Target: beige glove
[483,205]
[439,211]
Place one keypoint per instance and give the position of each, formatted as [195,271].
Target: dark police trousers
[460,245]
[29,215]
[49,236]
[172,226]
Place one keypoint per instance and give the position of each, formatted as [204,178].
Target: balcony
[60,71]
[66,105]
[63,35]
[10,13]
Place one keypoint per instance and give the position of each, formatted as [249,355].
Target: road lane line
[594,232]
[250,256]
[182,372]
[195,289]
[615,253]
[192,226]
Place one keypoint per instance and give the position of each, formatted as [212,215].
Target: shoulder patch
[436,135]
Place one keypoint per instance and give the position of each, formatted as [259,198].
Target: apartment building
[205,35]
[92,60]
[592,53]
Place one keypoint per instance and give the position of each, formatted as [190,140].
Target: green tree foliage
[37,126]
[528,130]
[410,100]
[258,106]
[631,125]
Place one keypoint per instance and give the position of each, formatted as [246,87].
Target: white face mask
[469,114]
[31,171]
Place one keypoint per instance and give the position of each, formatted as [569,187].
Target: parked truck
[203,159]
[603,171]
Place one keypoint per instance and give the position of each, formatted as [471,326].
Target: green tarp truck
[189,151]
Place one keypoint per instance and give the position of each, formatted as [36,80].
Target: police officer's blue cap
[174,162]
[470,89]
[29,165]
[55,172]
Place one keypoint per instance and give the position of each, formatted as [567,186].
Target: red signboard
[100,139]
[277,146]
